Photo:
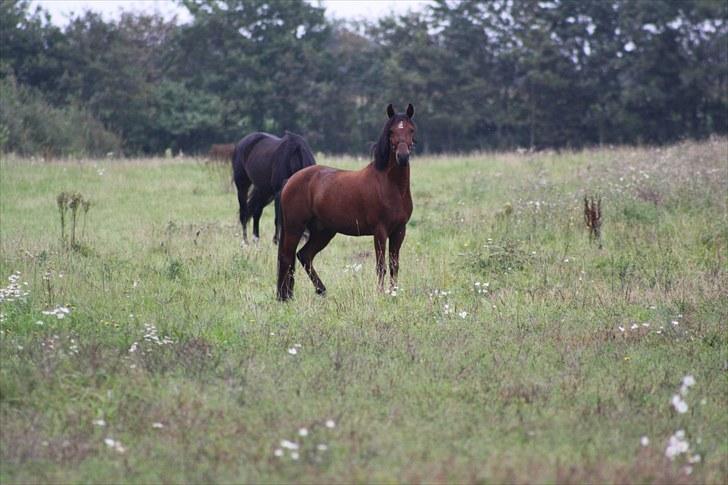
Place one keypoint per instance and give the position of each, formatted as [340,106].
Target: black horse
[266,162]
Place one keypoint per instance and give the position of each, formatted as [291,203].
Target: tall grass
[515,350]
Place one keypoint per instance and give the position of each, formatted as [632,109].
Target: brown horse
[222,151]
[374,201]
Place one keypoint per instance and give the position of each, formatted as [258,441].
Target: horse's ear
[390,110]
[410,111]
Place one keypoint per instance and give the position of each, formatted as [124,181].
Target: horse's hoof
[321,291]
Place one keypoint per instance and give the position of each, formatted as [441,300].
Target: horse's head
[397,138]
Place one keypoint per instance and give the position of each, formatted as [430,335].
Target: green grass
[535,382]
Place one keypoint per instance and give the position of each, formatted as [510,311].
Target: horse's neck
[399,176]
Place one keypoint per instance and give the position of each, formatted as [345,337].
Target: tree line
[489,74]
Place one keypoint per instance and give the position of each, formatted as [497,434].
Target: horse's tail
[242,150]
[279,214]
[291,156]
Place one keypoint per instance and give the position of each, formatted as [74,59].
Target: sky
[60,10]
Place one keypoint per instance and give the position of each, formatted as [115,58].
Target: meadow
[515,349]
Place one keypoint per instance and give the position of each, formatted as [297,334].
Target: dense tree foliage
[483,74]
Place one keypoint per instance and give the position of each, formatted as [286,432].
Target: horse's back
[333,196]
[253,155]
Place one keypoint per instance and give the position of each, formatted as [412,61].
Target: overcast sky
[60,10]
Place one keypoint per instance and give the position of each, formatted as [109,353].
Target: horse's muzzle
[403,159]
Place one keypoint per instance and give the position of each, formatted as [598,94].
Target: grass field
[515,349]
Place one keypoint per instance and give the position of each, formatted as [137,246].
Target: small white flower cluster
[73,347]
[678,445]
[59,312]
[439,293]
[677,401]
[392,291]
[634,327]
[481,288]
[14,290]
[294,350]
[50,342]
[293,448]
[53,344]
[447,309]
[150,335]
[536,204]
[354,268]
[115,445]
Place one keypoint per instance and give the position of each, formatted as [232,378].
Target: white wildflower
[679,404]
[115,444]
[59,312]
[294,455]
[303,432]
[157,425]
[13,291]
[644,441]
[293,350]
[278,452]
[677,445]
[289,445]
[322,447]
[330,423]
[463,314]
[675,322]
[99,422]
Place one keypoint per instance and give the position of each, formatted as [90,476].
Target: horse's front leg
[380,243]
[395,242]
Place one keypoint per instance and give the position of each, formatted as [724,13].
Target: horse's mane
[382,148]
[292,155]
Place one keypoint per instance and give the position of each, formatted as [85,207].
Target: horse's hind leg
[257,202]
[287,261]
[317,240]
[242,182]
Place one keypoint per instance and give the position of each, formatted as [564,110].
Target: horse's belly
[348,226]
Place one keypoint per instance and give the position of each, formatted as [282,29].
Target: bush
[31,126]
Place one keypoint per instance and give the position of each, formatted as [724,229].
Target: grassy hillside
[515,349]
